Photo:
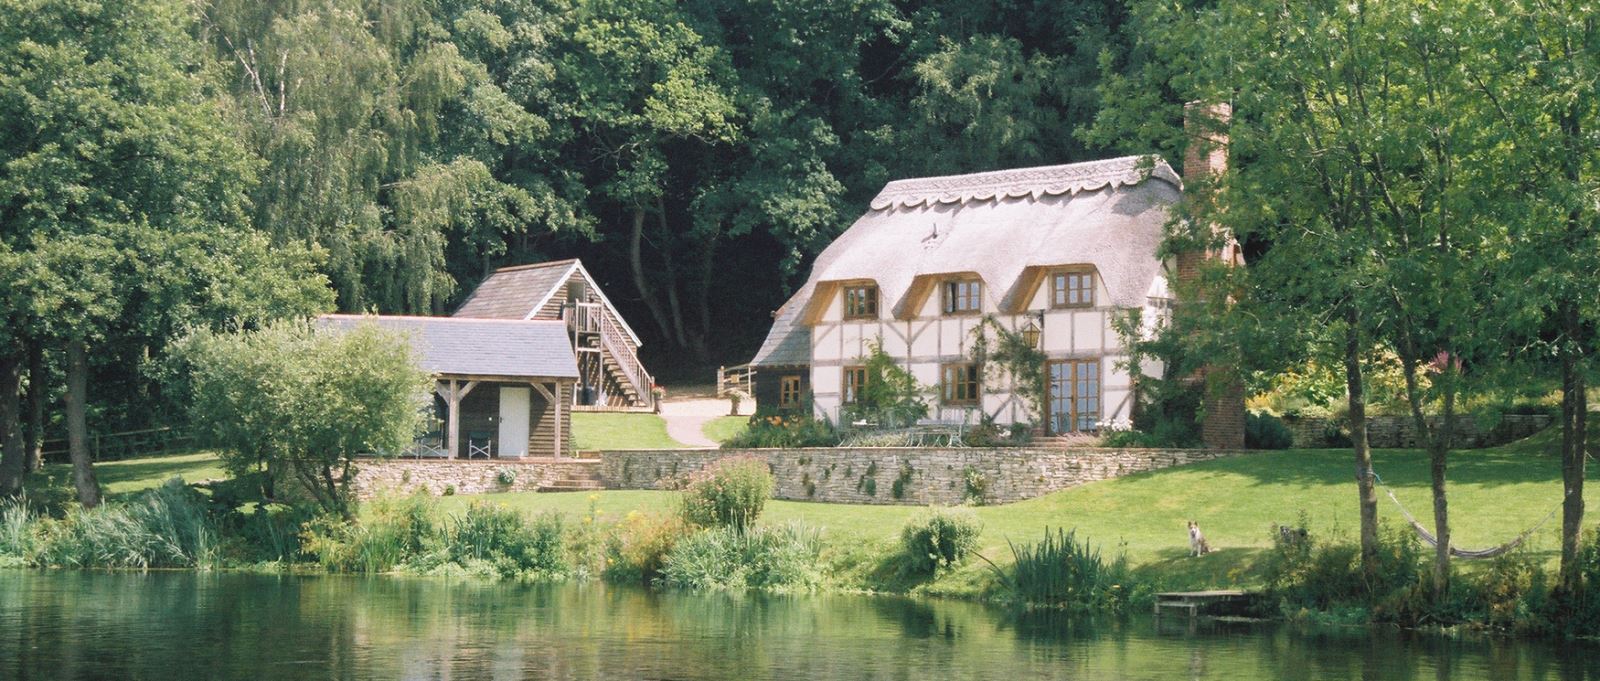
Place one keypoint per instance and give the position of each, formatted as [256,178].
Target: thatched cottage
[1055,252]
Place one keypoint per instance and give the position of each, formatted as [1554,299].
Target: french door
[1074,396]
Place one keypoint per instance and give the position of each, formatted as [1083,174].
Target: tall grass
[1062,571]
[17,537]
[394,531]
[164,527]
[406,534]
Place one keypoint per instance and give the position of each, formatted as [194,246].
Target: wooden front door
[514,411]
[1074,396]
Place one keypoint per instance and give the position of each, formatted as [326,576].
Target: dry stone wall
[904,475]
[1400,432]
[404,476]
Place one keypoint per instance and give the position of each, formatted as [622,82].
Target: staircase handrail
[611,341]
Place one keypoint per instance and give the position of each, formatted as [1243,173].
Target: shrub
[1062,571]
[637,549]
[500,539]
[1265,431]
[729,493]
[890,397]
[393,532]
[1304,573]
[938,538]
[976,486]
[775,558]
[164,527]
[270,532]
[505,477]
[784,431]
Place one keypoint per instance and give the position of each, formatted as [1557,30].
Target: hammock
[1479,554]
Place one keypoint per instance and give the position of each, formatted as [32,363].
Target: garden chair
[479,443]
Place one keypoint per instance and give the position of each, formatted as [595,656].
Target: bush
[729,493]
[637,549]
[938,538]
[774,558]
[1265,431]
[1061,571]
[494,538]
[406,534]
[1304,573]
[784,431]
[164,527]
[394,531]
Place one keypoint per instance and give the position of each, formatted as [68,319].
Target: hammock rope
[1478,554]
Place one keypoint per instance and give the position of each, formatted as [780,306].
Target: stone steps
[568,485]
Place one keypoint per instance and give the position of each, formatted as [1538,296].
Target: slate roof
[1109,213]
[477,347]
[519,292]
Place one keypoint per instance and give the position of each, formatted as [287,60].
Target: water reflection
[75,625]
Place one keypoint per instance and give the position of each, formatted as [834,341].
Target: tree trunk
[640,281]
[1366,487]
[1574,443]
[674,309]
[37,389]
[12,456]
[83,478]
[1437,445]
[1438,452]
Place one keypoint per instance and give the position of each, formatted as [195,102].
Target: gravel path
[686,419]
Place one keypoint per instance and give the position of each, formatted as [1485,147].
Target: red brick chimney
[1222,426]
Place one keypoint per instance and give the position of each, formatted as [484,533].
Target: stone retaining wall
[904,475]
[404,476]
[1400,432]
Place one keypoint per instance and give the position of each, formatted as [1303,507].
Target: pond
[182,625]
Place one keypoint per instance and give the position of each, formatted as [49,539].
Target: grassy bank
[1495,494]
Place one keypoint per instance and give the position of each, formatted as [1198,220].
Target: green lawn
[723,428]
[1494,495]
[122,477]
[592,430]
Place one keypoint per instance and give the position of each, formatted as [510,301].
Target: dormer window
[861,301]
[962,296]
[1072,289]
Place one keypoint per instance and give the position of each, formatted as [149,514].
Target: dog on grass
[1197,540]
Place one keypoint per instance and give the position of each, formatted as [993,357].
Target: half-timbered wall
[930,340]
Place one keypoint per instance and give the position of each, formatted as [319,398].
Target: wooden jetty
[1197,603]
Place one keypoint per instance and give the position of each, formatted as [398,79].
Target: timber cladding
[904,475]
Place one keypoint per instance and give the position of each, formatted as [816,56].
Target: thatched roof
[1000,226]
[477,347]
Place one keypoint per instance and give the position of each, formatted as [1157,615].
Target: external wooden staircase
[595,334]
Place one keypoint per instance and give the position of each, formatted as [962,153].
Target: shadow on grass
[1520,462]
[111,473]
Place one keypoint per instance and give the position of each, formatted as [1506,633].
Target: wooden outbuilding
[610,375]
[504,387]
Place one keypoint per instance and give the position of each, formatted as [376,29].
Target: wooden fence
[125,445]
